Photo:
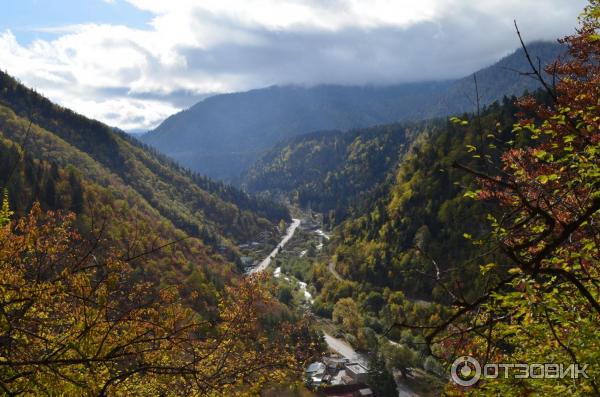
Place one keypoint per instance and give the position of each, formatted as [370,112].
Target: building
[335,363]
[315,373]
[348,391]
[333,372]
[357,372]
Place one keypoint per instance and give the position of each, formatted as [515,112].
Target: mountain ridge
[223,135]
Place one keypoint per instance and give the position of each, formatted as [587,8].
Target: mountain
[223,135]
[66,161]
[118,267]
[331,172]
[386,189]
[421,203]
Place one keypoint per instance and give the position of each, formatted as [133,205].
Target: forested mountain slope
[331,172]
[118,268]
[68,161]
[421,215]
[223,135]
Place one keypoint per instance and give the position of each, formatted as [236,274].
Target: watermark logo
[466,371]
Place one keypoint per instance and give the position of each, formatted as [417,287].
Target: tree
[284,294]
[347,313]
[379,378]
[399,357]
[282,226]
[431,365]
[74,322]
[542,303]
[5,212]
[76,190]
[373,302]
[49,193]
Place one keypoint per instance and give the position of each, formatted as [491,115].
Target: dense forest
[415,224]
[400,213]
[331,172]
[485,241]
[191,202]
[421,240]
[424,214]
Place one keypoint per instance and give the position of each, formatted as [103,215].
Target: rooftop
[316,367]
[356,368]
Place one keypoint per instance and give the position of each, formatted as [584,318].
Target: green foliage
[541,303]
[380,378]
[285,295]
[330,172]
[399,357]
[423,214]
[347,314]
[76,322]
[125,299]
[433,366]
[66,161]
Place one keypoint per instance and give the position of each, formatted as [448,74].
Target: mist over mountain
[222,136]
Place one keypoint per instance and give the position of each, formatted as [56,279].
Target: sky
[132,63]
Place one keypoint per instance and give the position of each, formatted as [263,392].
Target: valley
[310,244]
[317,224]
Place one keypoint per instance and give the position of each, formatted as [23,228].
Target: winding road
[338,345]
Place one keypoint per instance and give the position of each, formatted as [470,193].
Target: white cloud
[133,78]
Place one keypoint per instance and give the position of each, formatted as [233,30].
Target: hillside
[420,204]
[331,172]
[223,135]
[119,267]
[115,174]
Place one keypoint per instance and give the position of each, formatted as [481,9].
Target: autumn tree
[346,312]
[380,378]
[542,302]
[74,322]
[5,212]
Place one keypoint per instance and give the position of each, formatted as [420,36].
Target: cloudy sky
[132,63]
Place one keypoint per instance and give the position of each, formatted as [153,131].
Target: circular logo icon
[465,371]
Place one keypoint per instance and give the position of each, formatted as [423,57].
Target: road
[332,270]
[289,233]
[344,349]
[337,345]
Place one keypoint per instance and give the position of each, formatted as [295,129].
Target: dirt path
[332,270]
[344,349]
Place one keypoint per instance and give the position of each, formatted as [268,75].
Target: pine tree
[380,379]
